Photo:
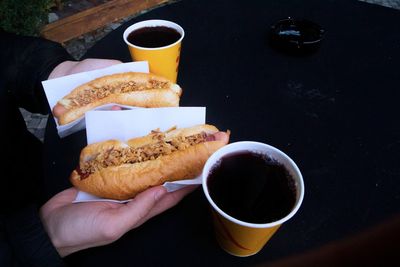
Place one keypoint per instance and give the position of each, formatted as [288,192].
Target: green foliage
[25,17]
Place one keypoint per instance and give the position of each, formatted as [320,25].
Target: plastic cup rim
[153,22]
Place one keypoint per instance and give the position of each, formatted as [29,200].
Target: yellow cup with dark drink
[158,42]
[253,188]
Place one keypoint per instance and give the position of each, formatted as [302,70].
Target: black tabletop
[333,112]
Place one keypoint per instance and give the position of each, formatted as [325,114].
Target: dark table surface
[334,112]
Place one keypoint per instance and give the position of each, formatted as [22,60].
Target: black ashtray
[296,36]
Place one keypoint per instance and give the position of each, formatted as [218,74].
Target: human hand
[72,67]
[73,227]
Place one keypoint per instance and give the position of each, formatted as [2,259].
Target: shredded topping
[89,95]
[129,155]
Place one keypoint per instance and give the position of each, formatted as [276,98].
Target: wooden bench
[96,17]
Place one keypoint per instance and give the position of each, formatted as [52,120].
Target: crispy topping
[129,155]
[89,95]
[155,84]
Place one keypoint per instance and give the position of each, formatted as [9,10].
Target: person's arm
[27,240]
[26,61]
[67,227]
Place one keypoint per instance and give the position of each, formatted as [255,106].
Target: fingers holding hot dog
[59,110]
[219,136]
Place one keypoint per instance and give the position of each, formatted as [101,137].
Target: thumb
[135,212]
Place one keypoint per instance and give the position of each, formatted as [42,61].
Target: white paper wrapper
[170,186]
[127,124]
[55,89]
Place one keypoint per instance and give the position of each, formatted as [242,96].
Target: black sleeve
[28,240]
[26,61]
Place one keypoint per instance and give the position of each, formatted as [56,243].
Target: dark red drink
[252,187]
[152,37]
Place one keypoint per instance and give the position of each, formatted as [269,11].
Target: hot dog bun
[129,88]
[118,170]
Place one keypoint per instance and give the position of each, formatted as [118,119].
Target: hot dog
[129,88]
[118,170]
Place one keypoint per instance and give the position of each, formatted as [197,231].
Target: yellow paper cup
[163,61]
[241,238]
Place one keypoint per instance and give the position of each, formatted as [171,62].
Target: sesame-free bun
[129,88]
[125,181]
